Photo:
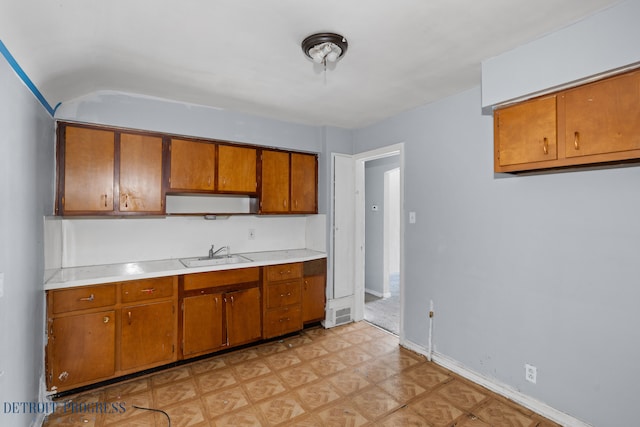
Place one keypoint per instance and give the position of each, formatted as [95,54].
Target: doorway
[390,154]
[382,243]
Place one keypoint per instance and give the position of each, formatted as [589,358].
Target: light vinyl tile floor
[352,375]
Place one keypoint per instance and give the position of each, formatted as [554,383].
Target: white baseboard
[498,387]
[377,294]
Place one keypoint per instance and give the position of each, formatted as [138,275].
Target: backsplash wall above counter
[80,242]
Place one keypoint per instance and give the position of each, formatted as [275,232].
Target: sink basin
[216,260]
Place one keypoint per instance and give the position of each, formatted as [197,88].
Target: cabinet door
[236,169]
[88,170]
[243,316]
[147,335]
[141,173]
[81,349]
[313,298]
[304,183]
[603,117]
[201,324]
[274,196]
[526,132]
[192,165]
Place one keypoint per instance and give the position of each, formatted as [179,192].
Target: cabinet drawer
[83,298]
[221,278]
[283,271]
[283,320]
[146,289]
[283,294]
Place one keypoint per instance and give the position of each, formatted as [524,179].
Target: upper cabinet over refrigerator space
[597,123]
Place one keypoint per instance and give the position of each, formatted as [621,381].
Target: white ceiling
[245,55]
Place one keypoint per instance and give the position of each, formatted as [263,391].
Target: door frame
[359,161]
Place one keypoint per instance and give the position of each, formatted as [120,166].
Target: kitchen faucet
[213,253]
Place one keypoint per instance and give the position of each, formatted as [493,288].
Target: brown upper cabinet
[596,123]
[237,169]
[141,174]
[200,166]
[112,171]
[87,177]
[193,166]
[108,172]
[603,117]
[526,133]
[274,197]
[289,182]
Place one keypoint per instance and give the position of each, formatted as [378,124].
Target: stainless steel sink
[216,260]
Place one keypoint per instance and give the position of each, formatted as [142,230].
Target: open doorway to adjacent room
[382,243]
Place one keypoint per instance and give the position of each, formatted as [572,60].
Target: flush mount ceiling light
[323,47]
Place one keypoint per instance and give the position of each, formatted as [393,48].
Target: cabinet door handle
[284,203]
[209,180]
[305,284]
[545,146]
[129,317]
[576,140]
[89,298]
[126,200]
[216,298]
[105,319]
[231,299]
[105,200]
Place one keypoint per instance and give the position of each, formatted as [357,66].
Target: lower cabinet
[220,309]
[314,290]
[202,330]
[100,332]
[147,335]
[283,299]
[243,316]
[81,349]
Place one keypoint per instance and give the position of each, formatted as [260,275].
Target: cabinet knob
[105,319]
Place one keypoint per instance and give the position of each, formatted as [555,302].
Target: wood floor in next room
[352,375]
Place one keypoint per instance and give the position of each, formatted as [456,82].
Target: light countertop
[97,274]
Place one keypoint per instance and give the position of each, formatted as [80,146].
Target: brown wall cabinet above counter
[104,171]
[595,123]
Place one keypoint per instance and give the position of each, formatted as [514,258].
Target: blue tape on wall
[27,81]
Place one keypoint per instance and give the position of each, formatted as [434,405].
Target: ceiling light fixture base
[323,47]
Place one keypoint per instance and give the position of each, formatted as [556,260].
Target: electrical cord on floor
[155,410]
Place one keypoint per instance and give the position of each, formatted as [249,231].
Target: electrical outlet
[530,373]
[252,234]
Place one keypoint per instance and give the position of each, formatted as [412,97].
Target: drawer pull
[148,290]
[285,320]
[105,319]
[89,298]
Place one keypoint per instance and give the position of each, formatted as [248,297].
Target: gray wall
[26,194]
[537,269]
[374,221]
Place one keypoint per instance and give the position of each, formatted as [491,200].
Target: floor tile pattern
[352,375]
